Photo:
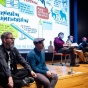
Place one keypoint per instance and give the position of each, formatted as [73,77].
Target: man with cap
[36,59]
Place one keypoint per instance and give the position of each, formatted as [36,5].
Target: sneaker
[24,83]
[29,79]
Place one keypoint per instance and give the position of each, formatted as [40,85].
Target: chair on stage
[61,57]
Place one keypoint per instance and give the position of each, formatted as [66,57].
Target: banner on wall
[30,19]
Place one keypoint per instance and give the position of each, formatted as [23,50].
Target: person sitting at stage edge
[36,59]
[10,76]
[77,51]
[59,47]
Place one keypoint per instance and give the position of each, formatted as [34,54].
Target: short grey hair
[5,35]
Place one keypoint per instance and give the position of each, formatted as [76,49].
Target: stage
[79,78]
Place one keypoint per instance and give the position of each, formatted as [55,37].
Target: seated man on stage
[83,45]
[10,76]
[59,47]
[36,59]
[69,40]
[78,52]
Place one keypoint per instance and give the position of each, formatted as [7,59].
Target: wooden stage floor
[79,78]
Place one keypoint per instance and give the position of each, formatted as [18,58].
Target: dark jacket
[82,45]
[15,56]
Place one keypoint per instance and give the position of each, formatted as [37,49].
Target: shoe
[81,62]
[29,79]
[74,65]
[24,83]
[85,62]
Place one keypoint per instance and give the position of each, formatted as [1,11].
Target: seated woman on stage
[59,47]
[76,50]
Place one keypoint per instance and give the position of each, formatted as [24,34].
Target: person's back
[50,47]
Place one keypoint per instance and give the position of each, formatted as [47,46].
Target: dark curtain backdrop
[82,6]
[82,18]
[72,17]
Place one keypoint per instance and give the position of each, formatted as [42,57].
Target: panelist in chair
[36,59]
[76,50]
[69,40]
[10,76]
[83,45]
[59,47]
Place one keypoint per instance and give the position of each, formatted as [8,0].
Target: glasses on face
[11,38]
